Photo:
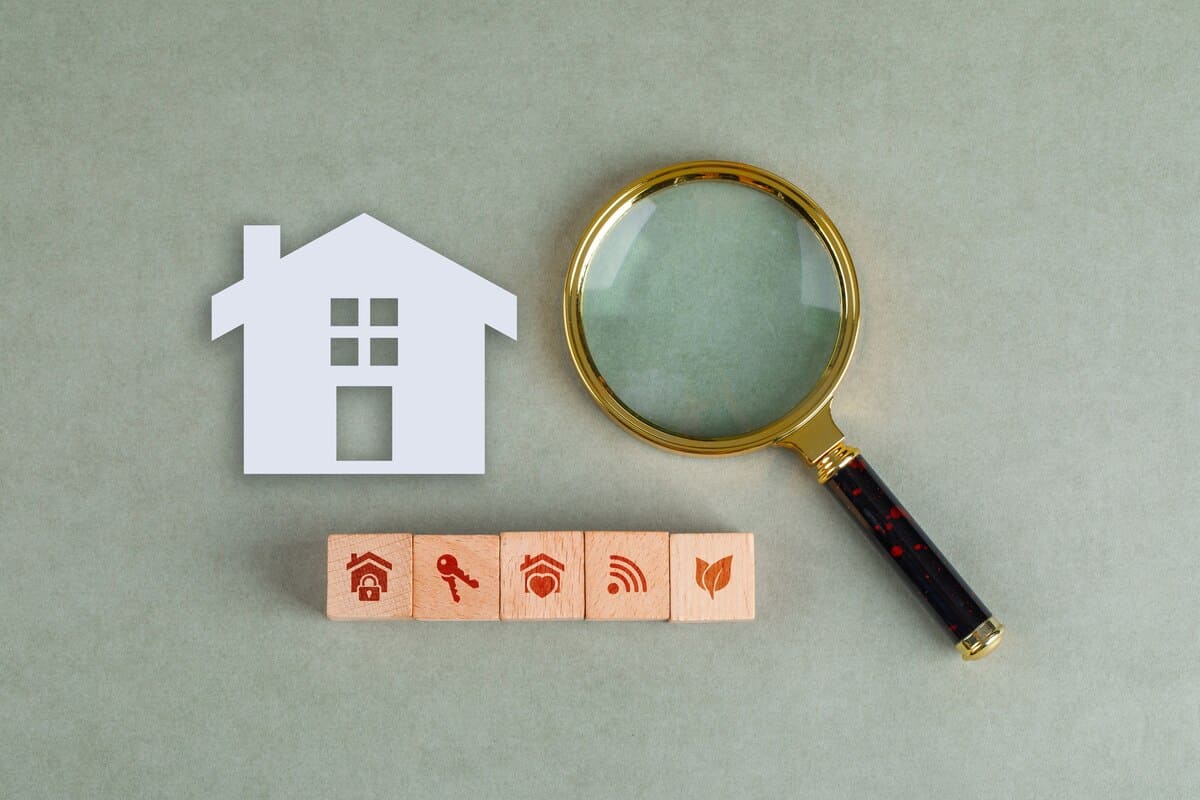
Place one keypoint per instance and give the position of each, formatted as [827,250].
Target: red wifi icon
[630,575]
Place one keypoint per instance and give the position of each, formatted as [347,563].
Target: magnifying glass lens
[710,308]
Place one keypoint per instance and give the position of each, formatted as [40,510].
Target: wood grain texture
[541,575]
[478,557]
[627,575]
[705,587]
[361,566]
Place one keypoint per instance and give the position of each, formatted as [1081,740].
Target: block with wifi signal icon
[627,574]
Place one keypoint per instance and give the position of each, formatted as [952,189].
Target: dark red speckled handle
[904,543]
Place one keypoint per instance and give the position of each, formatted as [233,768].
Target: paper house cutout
[362,306]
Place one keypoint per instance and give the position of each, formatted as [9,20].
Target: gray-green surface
[1018,186]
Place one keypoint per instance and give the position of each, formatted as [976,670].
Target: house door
[364,423]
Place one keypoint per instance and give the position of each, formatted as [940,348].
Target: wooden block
[712,576]
[439,566]
[541,575]
[627,575]
[369,576]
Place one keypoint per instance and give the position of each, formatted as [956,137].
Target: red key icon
[448,566]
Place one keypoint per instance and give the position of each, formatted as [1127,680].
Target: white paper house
[361,306]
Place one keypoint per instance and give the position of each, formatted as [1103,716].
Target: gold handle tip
[981,641]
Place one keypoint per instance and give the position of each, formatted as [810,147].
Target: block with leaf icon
[712,577]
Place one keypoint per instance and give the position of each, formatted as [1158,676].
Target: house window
[344,347]
[384,311]
[384,352]
[343,352]
[343,311]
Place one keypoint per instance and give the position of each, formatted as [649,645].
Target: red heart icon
[542,585]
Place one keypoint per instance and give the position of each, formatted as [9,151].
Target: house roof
[540,557]
[356,559]
[264,264]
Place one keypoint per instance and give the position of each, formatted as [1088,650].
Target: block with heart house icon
[541,575]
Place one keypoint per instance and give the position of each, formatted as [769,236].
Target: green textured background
[1018,186]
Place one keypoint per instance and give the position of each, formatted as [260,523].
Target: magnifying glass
[711,308]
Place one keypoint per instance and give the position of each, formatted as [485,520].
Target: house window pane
[343,352]
[384,312]
[343,311]
[384,353]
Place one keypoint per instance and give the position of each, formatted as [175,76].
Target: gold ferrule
[982,640]
[834,459]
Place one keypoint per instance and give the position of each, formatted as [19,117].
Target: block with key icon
[456,577]
[541,575]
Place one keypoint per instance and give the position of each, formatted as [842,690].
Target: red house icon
[541,574]
[368,575]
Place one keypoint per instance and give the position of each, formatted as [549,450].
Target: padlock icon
[368,588]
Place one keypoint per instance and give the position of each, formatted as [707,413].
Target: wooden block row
[542,575]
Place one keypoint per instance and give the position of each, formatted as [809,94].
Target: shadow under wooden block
[627,575]
[369,576]
[541,575]
[712,577]
[456,577]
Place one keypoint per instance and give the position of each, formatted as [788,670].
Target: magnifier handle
[885,522]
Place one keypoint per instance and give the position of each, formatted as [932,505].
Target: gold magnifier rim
[835,368]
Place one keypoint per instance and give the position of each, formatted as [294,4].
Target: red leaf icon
[715,576]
